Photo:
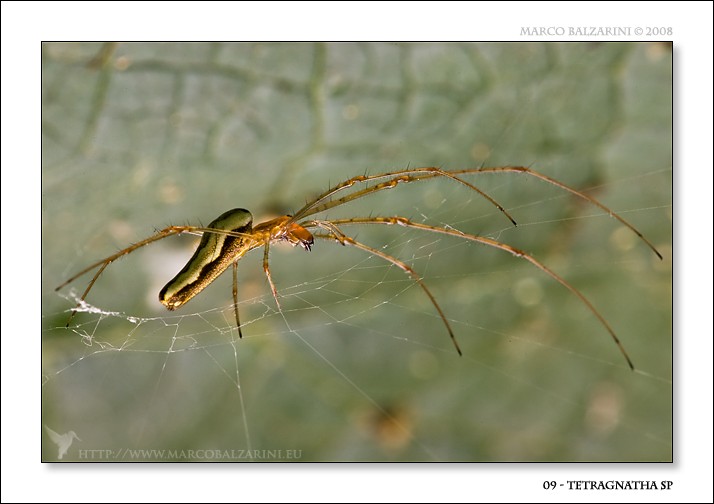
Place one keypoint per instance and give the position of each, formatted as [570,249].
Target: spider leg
[266,268]
[336,234]
[402,221]
[323,201]
[102,264]
[235,297]
[579,194]
[86,291]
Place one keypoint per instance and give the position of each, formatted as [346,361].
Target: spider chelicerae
[230,236]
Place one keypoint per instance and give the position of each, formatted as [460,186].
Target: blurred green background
[357,366]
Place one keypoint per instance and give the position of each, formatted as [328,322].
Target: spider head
[298,235]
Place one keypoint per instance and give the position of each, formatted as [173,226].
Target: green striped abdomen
[214,254]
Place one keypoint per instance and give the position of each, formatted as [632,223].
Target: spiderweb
[356,364]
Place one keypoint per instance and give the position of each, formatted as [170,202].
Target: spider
[229,237]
